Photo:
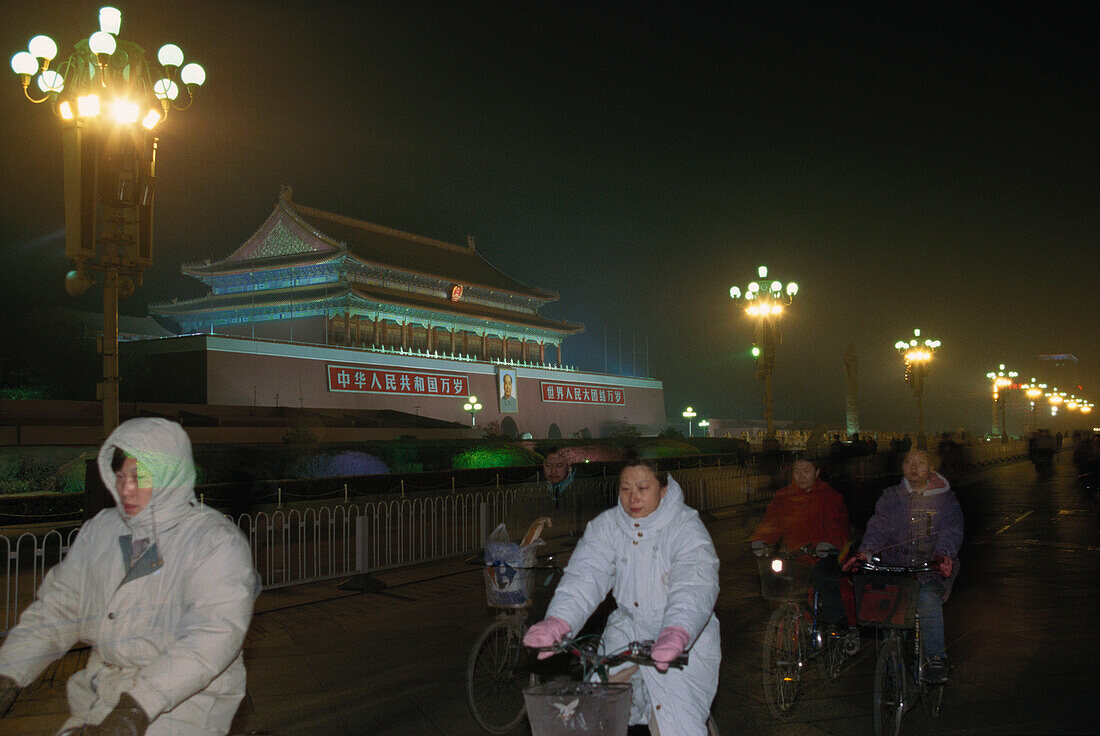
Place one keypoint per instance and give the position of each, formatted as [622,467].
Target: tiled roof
[298,235]
[307,295]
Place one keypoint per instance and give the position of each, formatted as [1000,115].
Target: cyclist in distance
[810,512]
[917,521]
[653,552]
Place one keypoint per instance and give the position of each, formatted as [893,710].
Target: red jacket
[805,517]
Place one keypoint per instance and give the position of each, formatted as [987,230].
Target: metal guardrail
[303,543]
[306,542]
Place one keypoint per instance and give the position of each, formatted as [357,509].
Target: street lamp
[473,406]
[1034,392]
[1002,380]
[765,302]
[688,414]
[917,355]
[108,98]
[704,424]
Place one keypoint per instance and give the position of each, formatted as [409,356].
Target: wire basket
[789,585]
[565,708]
[886,601]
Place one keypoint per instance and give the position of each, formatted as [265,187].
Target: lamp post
[703,425]
[473,406]
[1034,392]
[765,302]
[109,99]
[688,414]
[1002,380]
[917,355]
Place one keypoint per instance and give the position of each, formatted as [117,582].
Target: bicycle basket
[565,708]
[789,585]
[886,601]
[509,587]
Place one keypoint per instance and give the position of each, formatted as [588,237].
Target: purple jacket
[910,527]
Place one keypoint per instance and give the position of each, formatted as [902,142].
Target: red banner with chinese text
[579,393]
[396,381]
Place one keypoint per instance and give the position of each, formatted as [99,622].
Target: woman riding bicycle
[654,553]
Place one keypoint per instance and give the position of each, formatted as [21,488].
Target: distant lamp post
[1034,392]
[108,98]
[1001,380]
[917,355]
[765,302]
[703,425]
[688,414]
[473,406]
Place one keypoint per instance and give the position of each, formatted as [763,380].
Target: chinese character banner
[580,394]
[388,381]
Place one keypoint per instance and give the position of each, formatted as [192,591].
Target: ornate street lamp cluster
[765,302]
[688,414]
[1001,380]
[473,406]
[917,354]
[109,99]
[106,73]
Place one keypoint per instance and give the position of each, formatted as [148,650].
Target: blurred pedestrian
[160,586]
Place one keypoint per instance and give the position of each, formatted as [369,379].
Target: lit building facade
[319,310]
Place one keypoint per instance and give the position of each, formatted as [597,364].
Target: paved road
[1022,630]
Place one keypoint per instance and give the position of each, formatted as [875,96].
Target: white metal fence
[301,543]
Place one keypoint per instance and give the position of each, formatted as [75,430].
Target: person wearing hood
[162,589]
[917,521]
[654,554]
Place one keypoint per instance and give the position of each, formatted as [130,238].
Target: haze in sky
[908,164]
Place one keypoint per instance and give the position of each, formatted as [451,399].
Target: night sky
[908,164]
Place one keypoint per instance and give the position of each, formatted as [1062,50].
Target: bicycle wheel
[889,703]
[497,672]
[782,661]
[831,658]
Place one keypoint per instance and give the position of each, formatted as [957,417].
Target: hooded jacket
[166,626]
[663,571]
[911,527]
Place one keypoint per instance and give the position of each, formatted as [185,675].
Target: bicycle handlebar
[638,652]
[875,564]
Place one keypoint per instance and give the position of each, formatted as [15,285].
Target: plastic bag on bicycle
[509,579]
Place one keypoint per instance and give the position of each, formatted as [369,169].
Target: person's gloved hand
[670,644]
[9,691]
[853,561]
[127,719]
[546,633]
[944,565]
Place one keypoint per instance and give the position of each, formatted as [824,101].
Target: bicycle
[499,667]
[901,662]
[596,666]
[795,636]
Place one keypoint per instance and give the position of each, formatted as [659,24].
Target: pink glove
[546,633]
[853,561]
[944,565]
[670,644]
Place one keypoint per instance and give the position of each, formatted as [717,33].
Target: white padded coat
[663,571]
[168,631]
